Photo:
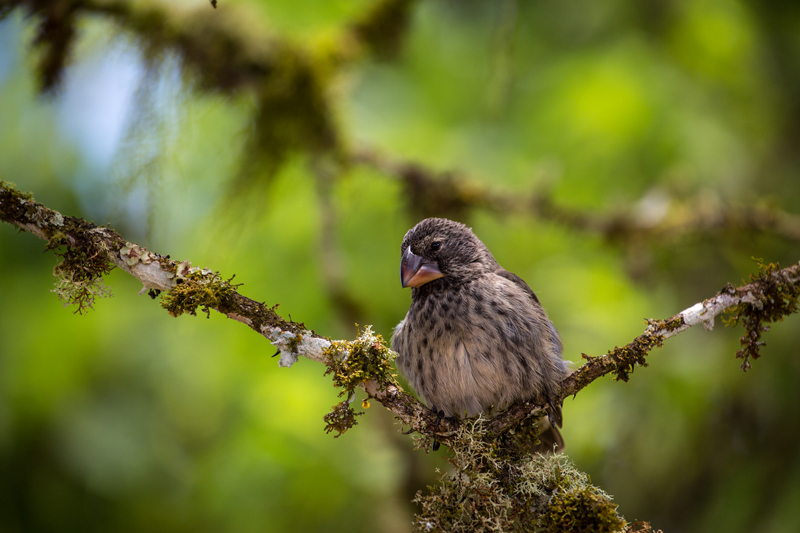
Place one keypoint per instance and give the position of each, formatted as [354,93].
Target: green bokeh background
[126,419]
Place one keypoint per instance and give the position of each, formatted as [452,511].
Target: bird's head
[438,248]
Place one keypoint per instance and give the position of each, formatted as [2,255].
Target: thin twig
[654,218]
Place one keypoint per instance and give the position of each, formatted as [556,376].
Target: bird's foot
[439,417]
[554,415]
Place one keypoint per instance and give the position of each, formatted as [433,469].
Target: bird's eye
[435,246]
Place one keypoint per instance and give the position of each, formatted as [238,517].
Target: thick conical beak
[416,271]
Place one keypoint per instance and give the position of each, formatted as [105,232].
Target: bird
[475,339]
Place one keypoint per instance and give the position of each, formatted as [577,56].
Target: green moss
[15,206]
[364,359]
[776,296]
[79,274]
[626,358]
[202,289]
[341,418]
[581,511]
[11,189]
[665,325]
[486,491]
[351,364]
[80,293]
[83,254]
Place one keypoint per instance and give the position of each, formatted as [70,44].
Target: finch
[475,339]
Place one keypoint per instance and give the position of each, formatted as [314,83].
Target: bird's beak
[416,271]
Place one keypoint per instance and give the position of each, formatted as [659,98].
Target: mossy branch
[293,86]
[771,295]
[88,252]
[656,218]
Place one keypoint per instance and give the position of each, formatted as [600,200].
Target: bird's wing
[554,338]
[518,281]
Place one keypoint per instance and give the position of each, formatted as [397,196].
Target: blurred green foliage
[127,419]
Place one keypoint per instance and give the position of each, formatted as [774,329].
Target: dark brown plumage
[475,339]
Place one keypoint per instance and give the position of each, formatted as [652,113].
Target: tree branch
[196,288]
[770,296]
[226,53]
[655,217]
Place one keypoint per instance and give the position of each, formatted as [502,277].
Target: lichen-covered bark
[771,295]
[187,289]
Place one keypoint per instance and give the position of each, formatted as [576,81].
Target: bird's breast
[449,352]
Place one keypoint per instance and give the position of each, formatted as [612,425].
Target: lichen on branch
[352,364]
[775,296]
[81,293]
[198,288]
[771,295]
[82,253]
[489,491]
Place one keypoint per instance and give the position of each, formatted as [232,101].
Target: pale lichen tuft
[486,491]
[81,293]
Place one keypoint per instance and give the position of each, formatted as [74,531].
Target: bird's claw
[439,417]
[552,415]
